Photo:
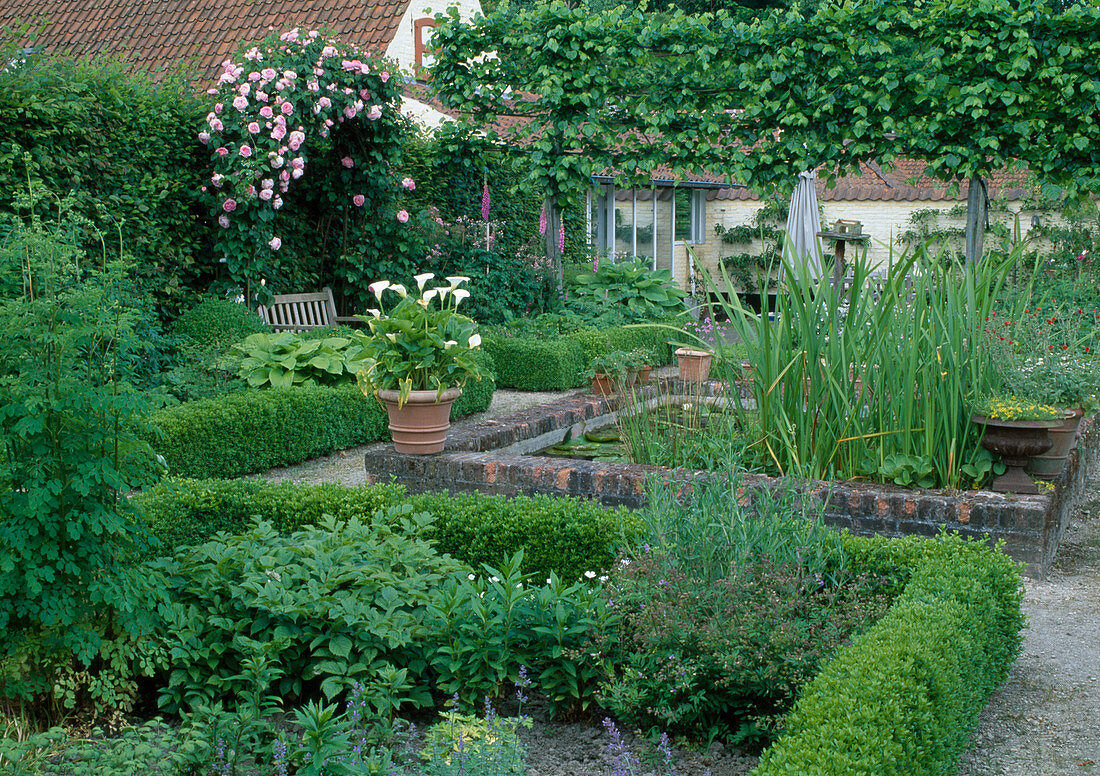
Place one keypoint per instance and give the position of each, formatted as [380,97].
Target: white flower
[456,280]
[428,295]
[519,585]
[378,287]
[449,344]
[391,337]
[475,340]
[603,578]
[590,575]
[471,577]
[399,290]
[494,579]
[423,278]
[375,313]
[548,581]
[442,291]
[460,294]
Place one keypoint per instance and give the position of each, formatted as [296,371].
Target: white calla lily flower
[475,341]
[456,280]
[460,294]
[442,291]
[378,287]
[375,313]
[399,290]
[423,278]
[429,295]
[391,337]
[450,344]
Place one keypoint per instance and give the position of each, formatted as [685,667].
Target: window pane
[683,215]
[624,222]
[643,214]
[664,229]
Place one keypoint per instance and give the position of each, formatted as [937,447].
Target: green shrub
[536,365]
[565,535]
[217,324]
[626,338]
[255,430]
[285,358]
[904,697]
[186,512]
[328,606]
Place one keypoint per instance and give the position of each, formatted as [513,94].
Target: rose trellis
[275,115]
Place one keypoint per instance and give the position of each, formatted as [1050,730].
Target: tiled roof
[159,33]
[875,183]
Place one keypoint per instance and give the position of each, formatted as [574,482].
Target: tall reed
[849,384]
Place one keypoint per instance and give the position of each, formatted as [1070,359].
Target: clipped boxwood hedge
[904,697]
[254,430]
[566,535]
[533,364]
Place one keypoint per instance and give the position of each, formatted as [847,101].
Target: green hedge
[905,696]
[533,364]
[254,430]
[565,535]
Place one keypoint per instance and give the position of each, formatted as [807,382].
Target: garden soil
[1044,721]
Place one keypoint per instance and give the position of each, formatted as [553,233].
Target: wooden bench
[301,312]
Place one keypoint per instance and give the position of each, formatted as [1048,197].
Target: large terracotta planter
[1049,465]
[1016,441]
[694,365]
[603,384]
[419,426]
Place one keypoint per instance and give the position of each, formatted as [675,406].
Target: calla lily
[378,287]
[475,340]
[375,313]
[399,290]
[391,337]
[442,291]
[429,294]
[456,280]
[460,294]
[423,278]
[423,302]
[450,344]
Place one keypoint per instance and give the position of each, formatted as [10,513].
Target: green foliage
[645,292]
[217,324]
[185,512]
[250,431]
[151,748]
[284,359]
[138,171]
[904,697]
[564,535]
[534,364]
[70,448]
[467,744]
[340,603]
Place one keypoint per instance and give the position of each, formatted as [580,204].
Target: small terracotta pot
[694,365]
[419,426]
[603,385]
[643,374]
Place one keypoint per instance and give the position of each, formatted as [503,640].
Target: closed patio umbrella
[803,246]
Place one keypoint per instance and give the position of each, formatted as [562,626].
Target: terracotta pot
[1049,465]
[694,365]
[643,374]
[603,385]
[419,426]
[1016,441]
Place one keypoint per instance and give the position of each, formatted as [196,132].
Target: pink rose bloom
[290,75]
[277,203]
[284,175]
[253,128]
[349,64]
[286,108]
[280,120]
[408,184]
[364,94]
[328,51]
[329,122]
[318,71]
[298,173]
[403,216]
[245,151]
[350,111]
[211,91]
[279,132]
[229,205]
[348,162]
[245,89]
[266,112]
[260,96]
[275,243]
[313,86]
[218,107]
[267,183]
[223,221]
[217,179]
[384,76]
[202,189]
[276,162]
[297,163]
[254,76]
[297,137]
[358,199]
[268,73]
[325,102]
[204,137]
[223,151]
[240,103]
[216,125]
[266,194]
[250,190]
[375,112]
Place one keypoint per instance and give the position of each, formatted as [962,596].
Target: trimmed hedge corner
[254,430]
[564,535]
[905,696]
[532,364]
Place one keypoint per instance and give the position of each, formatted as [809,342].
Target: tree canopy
[970,88]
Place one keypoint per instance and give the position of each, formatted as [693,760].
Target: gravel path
[1044,721]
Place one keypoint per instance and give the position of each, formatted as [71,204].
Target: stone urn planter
[419,426]
[694,365]
[1048,465]
[1016,441]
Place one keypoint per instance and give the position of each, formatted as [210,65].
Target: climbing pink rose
[216,125]
[408,184]
[403,216]
[268,74]
[348,162]
[297,163]
[223,151]
[218,107]
[375,112]
[266,194]
[385,76]
[287,108]
[223,221]
[229,205]
[266,112]
[358,199]
[240,103]
[204,137]
[279,132]
[275,243]
[277,203]
[245,151]
[253,128]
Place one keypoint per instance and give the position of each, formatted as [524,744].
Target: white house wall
[403,46]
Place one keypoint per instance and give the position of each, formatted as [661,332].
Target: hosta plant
[285,358]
